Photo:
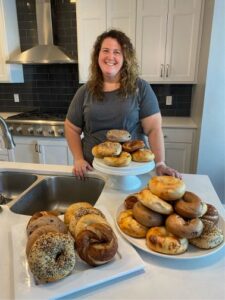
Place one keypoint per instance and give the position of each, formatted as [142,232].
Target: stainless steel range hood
[45,52]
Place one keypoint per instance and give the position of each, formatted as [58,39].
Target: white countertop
[162,278]
[178,122]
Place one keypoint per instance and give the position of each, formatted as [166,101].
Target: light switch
[169,100]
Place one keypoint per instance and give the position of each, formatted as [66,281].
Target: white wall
[211,155]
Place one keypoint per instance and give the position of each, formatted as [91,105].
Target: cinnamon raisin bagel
[168,188]
[143,155]
[130,200]
[118,135]
[211,214]
[133,145]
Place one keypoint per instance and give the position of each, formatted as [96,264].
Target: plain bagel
[122,160]
[118,135]
[168,188]
[143,155]
[106,149]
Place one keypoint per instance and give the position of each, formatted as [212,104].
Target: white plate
[192,252]
[125,262]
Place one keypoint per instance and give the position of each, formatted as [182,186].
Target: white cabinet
[178,148]
[166,34]
[94,17]
[9,42]
[167,39]
[42,150]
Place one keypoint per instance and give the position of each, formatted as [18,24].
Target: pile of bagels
[53,245]
[170,218]
[119,150]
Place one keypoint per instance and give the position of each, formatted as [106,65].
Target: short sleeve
[75,111]
[148,101]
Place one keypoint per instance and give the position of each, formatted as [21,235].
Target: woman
[114,98]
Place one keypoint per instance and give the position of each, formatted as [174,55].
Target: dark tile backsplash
[51,87]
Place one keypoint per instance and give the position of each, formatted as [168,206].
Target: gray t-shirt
[95,117]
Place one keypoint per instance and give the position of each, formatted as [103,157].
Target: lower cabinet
[42,150]
[178,148]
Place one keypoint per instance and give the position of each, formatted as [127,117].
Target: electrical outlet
[16,98]
[169,100]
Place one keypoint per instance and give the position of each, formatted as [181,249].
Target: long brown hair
[128,72]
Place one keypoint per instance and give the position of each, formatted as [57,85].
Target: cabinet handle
[36,147]
[165,136]
[161,70]
[167,70]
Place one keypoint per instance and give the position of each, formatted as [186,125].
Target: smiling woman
[113,98]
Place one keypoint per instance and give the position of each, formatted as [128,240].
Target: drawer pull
[167,70]
[161,70]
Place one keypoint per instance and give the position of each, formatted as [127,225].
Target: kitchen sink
[13,184]
[57,193]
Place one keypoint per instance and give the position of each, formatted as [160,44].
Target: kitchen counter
[178,122]
[162,278]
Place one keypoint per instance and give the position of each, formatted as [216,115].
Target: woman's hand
[163,169]
[81,167]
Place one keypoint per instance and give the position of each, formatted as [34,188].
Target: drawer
[176,135]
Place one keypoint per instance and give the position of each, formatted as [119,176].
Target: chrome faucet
[6,135]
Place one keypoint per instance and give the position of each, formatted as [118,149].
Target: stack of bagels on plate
[52,243]
[170,218]
[119,150]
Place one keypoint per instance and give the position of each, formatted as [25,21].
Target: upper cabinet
[94,17]
[9,42]
[167,39]
[165,33]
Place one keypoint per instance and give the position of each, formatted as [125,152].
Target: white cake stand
[124,178]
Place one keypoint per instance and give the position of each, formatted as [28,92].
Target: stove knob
[51,132]
[39,130]
[30,130]
[61,132]
[19,129]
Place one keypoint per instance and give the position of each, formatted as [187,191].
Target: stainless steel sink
[57,193]
[13,184]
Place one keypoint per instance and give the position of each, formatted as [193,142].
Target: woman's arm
[152,127]
[72,134]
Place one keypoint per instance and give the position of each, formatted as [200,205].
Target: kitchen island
[162,278]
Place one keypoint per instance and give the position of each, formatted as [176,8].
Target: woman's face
[110,58]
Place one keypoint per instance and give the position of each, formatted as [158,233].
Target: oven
[37,124]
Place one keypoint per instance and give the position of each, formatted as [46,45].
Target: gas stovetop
[36,123]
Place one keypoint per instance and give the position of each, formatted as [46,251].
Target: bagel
[159,239]
[70,211]
[39,214]
[146,216]
[87,220]
[106,149]
[167,188]
[211,214]
[190,206]
[46,220]
[118,135]
[52,257]
[211,236]
[80,212]
[129,225]
[97,244]
[133,145]
[184,229]
[148,199]
[122,160]
[143,155]
[130,201]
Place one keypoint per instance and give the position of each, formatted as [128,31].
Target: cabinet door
[178,156]
[121,14]
[91,21]
[182,40]
[54,152]
[9,42]
[25,150]
[151,37]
